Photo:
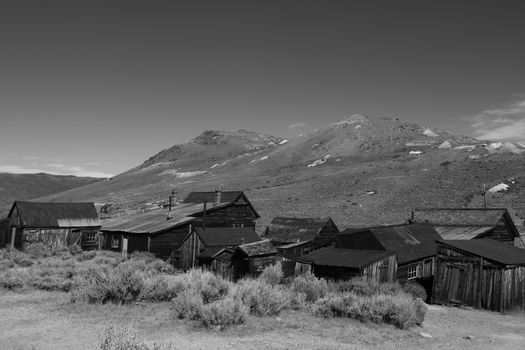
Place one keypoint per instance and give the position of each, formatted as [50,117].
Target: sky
[94,88]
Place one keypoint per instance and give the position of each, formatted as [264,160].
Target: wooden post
[502,293]
[480,282]
[13,235]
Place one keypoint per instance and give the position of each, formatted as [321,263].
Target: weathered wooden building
[480,273]
[201,245]
[54,224]
[414,246]
[298,236]
[252,258]
[341,264]
[469,223]
[163,231]
[221,264]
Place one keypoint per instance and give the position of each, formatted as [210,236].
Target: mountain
[31,186]
[360,171]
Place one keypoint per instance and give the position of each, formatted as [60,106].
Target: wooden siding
[500,233]
[138,243]
[164,244]
[253,267]
[222,269]
[235,214]
[5,233]
[471,280]
[383,270]
[189,250]
[425,267]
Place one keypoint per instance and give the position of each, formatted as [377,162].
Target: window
[238,225]
[413,272]
[114,242]
[90,237]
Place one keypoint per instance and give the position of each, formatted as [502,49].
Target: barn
[54,224]
[297,236]
[481,273]
[252,258]
[469,223]
[201,245]
[342,264]
[414,246]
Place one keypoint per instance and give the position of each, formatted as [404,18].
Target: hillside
[31,186]
[360,171]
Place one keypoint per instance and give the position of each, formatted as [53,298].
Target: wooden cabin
[163,231]
[201,245]
[221,264]
[342,264]
[480,273]
[54,224]
[414,246]
[298,236]
[469,223]
[252,258]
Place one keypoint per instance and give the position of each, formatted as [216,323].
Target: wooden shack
[414,246]
[481,273]
[342,264]
[252,258]
[199,247]
[162,231]
[54,224]
[297,236]
[469,223]
[221,264]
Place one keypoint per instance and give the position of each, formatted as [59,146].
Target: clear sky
[96,87]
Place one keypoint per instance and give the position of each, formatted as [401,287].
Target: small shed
[469,223]
[221,263]
[252,258]
[54,224]
[481,273]
[297,236]
[342,264]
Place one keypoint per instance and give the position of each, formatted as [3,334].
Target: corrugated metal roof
[292,229]
[227,236]
[489,249]
[264,247]
[69,214]
[338,257]
[209,197]
[459,216]
[153,221]
[461,232]
[409,242]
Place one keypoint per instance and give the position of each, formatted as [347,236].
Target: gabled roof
[409,242]
[462,232]
[259,248]
[489,249]
[227,198]
[226,236]
[47,215]
[224,255]
[337,257]
[473,217]
[293,229]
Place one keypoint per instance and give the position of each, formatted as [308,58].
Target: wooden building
[201,245]
[414,246]
[221,264]
[298,236]
[480,273]
[54,224]
[469,223]
[252,258]
[341,264]
[163,231]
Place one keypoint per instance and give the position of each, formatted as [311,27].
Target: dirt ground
[44,320]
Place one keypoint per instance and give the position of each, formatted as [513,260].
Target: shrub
[159,266]
[106,257]
[313,287]
[147,257]
[15,278]
[161,288]
[223,313]
[187,305]
[126,284]
[75,249]
[39,250]
[363,286]
[260,298]
[272,275]
[416,290]
[91,286]
[85,255]
[123,339]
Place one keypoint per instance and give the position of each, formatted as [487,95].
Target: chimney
[218,192]
[172,203]
[242,241]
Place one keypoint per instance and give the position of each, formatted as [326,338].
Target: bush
[91,286]
[15,279]
[187,305]
[75,249]
[363,286]
[260,298]
[105,257]
[223,313]
[416,290]
[126,284]
[272,275]
[123,339]
[85,255]
[39,250]
[159,266]
[143,256]
[161,288]
[313,287]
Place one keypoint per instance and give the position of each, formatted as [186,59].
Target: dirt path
[41,320]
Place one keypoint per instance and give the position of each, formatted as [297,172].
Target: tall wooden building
[469,223]
[54,224]
[481,273]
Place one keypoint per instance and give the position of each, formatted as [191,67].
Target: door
[124,245]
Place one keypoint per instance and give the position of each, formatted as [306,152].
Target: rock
[468,337]
[430,133]
[445,144]
[425,335]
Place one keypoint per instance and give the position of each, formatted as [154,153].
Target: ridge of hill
[31,186]
[360,171]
